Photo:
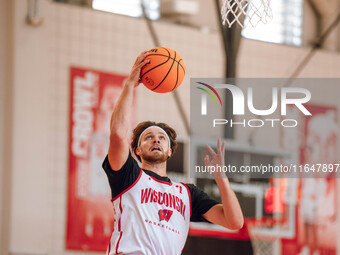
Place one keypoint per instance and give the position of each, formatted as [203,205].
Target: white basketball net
[253,12]
[263,244]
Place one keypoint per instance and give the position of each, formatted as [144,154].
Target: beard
[153,157]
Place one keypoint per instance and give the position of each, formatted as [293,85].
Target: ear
[169,152]
[137,151]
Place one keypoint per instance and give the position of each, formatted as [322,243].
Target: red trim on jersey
[114,219]
[133,184]
[189,197]
[119,224]
[164,182]
[109,249]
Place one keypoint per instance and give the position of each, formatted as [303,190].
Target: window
[130,8]
[285,27]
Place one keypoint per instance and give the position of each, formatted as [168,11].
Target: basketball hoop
[263,244]
[253,11]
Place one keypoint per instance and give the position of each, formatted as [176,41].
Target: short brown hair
[144,125]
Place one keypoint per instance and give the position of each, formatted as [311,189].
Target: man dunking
[152,213]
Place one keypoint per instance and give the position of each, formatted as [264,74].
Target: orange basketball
[165,72]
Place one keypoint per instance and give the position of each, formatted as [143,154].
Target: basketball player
[152,213]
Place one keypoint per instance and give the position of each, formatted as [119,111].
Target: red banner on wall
[316,144]
[93,95]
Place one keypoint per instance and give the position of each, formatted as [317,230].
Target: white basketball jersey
[151,217]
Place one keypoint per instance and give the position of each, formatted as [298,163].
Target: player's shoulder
[186,185]
[192,188]
[195,192]
[130,163]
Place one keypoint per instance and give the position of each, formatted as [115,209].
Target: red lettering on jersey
[166,199]
[165,215]
[155,194]
[172,200]
[145,195]
[183,210]
[177,204]
[180,188]
[151,196]
[160,198]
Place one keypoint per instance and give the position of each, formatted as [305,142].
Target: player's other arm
[229,213]
[121,117]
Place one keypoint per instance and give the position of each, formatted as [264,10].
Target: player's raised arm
[229,213]
[121,116]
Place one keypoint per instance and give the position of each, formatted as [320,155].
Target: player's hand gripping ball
[165,71]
